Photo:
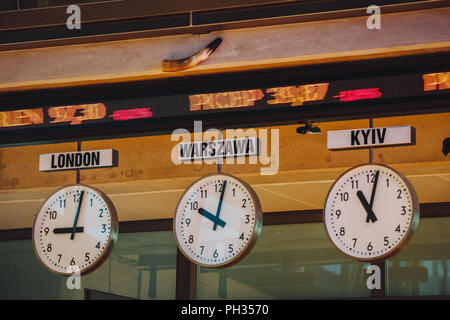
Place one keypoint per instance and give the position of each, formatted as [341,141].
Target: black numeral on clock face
[218,187]
[344,196]
[371,178]
[403,210]
[194,205]
[53,215]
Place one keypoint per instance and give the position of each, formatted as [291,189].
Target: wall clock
[77,226]
[371,212]
[217,220]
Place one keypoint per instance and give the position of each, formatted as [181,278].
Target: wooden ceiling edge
[223,68]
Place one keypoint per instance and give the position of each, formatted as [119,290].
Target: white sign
[371,137]
[78,160]
[217,149]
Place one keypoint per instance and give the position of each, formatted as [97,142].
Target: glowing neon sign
[223,100]
[293,95]
[172,107]
[128,114]
[436,81]
[77,114]
[359,94]
[22,117]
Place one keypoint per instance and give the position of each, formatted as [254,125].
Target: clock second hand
[76,216]
[220,203]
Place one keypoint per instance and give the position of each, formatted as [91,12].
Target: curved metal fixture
[191,61]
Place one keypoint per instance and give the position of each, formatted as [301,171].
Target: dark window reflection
[422,268]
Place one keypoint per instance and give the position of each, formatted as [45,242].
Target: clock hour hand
[211,217]
[370,214]
[67,230]
[76,216]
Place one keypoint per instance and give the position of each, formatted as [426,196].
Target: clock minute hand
[220,203]
[76,216]
[372,197]
[366,206]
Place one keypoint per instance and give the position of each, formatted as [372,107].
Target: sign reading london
[218,149]
[371,137]
[78,160]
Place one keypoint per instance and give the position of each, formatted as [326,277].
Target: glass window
[141,266]
[6,5]
[423,267]
[288,262]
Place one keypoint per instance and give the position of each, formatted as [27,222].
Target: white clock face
[371,212]
[217,221]
[75,230]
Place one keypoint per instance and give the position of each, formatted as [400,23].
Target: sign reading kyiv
[371,137]
[78,160]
